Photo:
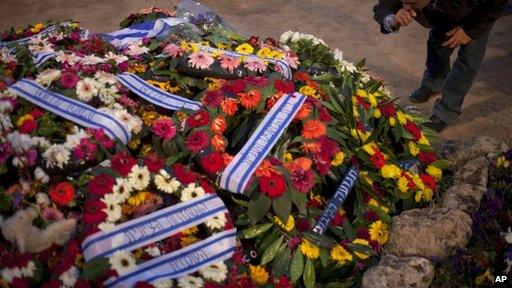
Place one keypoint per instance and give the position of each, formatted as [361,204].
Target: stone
[481,146]
[429,232]
[465,197]
[473,172]
[404,272]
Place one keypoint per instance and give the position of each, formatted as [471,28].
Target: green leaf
[297,266]
[299,199]
[3,168]
[95,269]
[442,164]
[319,240]
[256,230]
[309,274]
[271,252]
[324,257]
[349,230]
[346,284]
[258,207]
[282,207]
[382,215]
[282,263]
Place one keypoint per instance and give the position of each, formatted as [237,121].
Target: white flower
[338,55]
[38,48]
[64,57]
[191,192]
[28,271]
[116,57]
[508,235]
[122,262]
[42,198]
[69,277]
[190,282]
[19,161]
[153,251]
[10,273]
[108,95]
[164,182]
[91,60]
[47,76]
[113,208]
[167,283]
[73,140]
[216,272]
[139,177]
[86,89]
[41,142]
[5,106]
[56,156]
[5,122]
[106,226]
[216,222]
[132,122]
[6,55]
[20,142]
[285,36]
[135,49]
[122,189]
[296,36]
[105,77]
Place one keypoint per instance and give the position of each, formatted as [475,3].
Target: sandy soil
[344,24]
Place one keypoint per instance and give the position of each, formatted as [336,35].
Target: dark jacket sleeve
[383,9]
[483,17]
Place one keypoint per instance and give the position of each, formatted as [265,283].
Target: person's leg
[460,79]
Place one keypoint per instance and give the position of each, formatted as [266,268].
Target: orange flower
[272,101]
[265,169]
[313,129]
[229,106]
[304,111]
[301,76]
[227,158]
[250,99]
[219,125]
[312,147]
[302,163]
[219,143]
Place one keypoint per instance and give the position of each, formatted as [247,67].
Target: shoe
[436,123]
[421,94]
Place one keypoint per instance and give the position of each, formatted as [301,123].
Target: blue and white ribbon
[158,28]
[71,109]
[239,171]
[190,259]
[155,95]
[27,39]
[40,57]
[411,165]
[153,227]
[337,200]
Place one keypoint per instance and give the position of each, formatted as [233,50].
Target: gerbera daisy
[139,177]
[191,192]
[255,65]
[313,129]
[101,184]
[164,128]
[219,143]
[302,180]
[219,125]
[212,163]
[106,226]
[165,183]
[122,163]
[173,50]
[197,141]
[229,106]
[244,48]
[122,262]
[228,62]
[216,222]
[200,60]
[113,209]
[198,119]
[93,212]
[52,213]
[86,89]
[216,272]
[184,174]
[153,162]
[68,80]
[273,186]
[250,99]
[190,282]
[62,193]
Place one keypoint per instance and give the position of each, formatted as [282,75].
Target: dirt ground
[344,24]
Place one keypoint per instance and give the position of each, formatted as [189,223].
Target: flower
[93,212]
[218,221]
[62,193]
[216,272]
[340,254]
[197,141]
[244,48]
[378,160]
[56,156]
[309,249]
[413,148]
[250,99]
[255,64]
[122,262]
[85,150]
[52,213]
[191,192]
[47,76]
[427,157]
[413,129]
[198,119]
[69,277]
[338,158]
[153,162]
[212,163]
[313,129]
[219,125]
[167,283]
[101,184]
[164,128]
[434,172]
[258,274]
[165,183]
[139,177]
[390,171]
[86,89]
[228,62]
[184,174]
[229,106]
[290,223]
[273,186]
[303,180]
[113,209]
[190,282]
[402,184]
[173,50]
[200,60]
[122,163]
[106,226]
[379,232]
[361,255]
[68,80]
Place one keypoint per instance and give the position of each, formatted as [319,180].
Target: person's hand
[404,16]
[457,37]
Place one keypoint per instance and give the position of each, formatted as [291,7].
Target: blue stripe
[142,94]
[199,247]
[86,245]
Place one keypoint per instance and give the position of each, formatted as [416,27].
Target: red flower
[337,220]
[36,113]
[270,42]
[207,187]
[378,159]
[197,141]
[122,163]
[93,212]
[257,81]
[211,285]
[52,284]
[20,283]
[284,86]
[363,103]
[303,224]
[235,86]
[322,164]
[324,115]
[212,163]
[371,215]
[61,263]
[429,181]
[28,126]
[85,150]
[413,129]
[284,282]
[301,76]
[363,233]
[153,162]
[427,157]
[273,186]
[303,180]
[388,110]
[253,41]
[101,184]
[68,80]
[62,193]
[198,119]
[184,174]
[213,98]
[329,147]
[143,284]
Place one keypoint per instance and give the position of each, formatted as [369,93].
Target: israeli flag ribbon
[284,68]
[337,200]
[40,57]
[218,247]
[411,165]
[239,171]
[71,109]
[153,227]
[28,39]
[158,28]
[155,95]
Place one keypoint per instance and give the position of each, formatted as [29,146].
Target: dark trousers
[454,82]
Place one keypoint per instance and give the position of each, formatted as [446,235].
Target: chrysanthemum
[191,192]
[228,62]
[340,254]
[122,262]
[190,282]
[101,184]
[69,277]
[258,274]
[229,106]
[200,60]
[218,221]
[47,76]
[165,183]
[250,99]
[309,249]
[303,180]
[379,232]
[139,177]
[362,242]
[56,156]
[313,129]
[255,65]
[86,89]
[216,272]
[164,128]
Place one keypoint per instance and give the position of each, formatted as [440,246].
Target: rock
[393,271]
[474,172]
[465,197]
[479,147]
[429,232]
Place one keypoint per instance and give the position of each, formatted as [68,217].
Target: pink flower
[200,60]
[101,137]
[303,180]
[164,128]
[291,59]
[255,65]
[228,62]
[126,102]
[85,150]
[173,50]
[68,80]
[52,213]
[197,141]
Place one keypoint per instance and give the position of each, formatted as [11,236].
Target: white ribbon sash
[190,259]
[160,27]
[27,39]
[41,57]
[239,171]
[153,227]
[70,109]
[155,95]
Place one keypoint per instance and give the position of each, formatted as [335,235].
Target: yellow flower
[222,46]
[189,240]
[402,184]
[362,93]
[338,159]
[372,100]
[425,193]
[374,203]
[364,175]
[485,277]
[287,157]
[172,89]
[413,148]
[370,148]
[217,53]
[401,117]
[138,198]
[423,140]
[190,231]
[502,162]
[392,121]
[244,48]
[214,84]
[38,27]
[362,242]
[290,223]
[309,249]
[390,171]
[379,232]
[149,117]
[434,172]
[309,91]
[137,68]
[277,54]
[377,113]
[24,118]
[258,274]
[264,52]
[134,143]
[340,254]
